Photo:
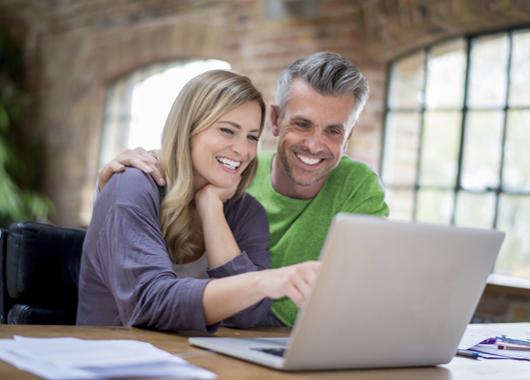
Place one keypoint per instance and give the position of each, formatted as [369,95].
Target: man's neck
[283,185]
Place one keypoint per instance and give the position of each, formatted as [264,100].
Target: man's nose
[313,142]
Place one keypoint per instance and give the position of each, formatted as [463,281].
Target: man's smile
[308,160]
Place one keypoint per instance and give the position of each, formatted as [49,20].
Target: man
[308,180]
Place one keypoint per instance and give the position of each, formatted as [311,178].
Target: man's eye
[303,125]
[334,132]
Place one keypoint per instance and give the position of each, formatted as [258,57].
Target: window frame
[457,188]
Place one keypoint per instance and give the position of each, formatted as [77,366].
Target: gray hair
[330,75]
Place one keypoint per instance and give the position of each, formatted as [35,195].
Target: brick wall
[73,49]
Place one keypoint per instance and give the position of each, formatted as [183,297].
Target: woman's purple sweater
[126,276]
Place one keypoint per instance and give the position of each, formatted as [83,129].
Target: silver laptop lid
[391,294]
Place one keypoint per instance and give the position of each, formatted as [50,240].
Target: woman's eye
[253,138]
[227,130]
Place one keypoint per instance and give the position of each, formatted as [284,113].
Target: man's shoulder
[265,156]
[351,178]
[352,167]
[263,174]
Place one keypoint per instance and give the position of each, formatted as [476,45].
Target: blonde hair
[201,102]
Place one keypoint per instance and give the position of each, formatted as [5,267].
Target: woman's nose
[240,147]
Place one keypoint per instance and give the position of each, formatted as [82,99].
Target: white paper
[476,334]
[492,351]
[72,358]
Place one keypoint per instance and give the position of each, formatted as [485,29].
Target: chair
[5,300]
[39,274]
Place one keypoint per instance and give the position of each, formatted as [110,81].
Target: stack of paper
[474,335]
[502,347]
[494,344]
[71,358]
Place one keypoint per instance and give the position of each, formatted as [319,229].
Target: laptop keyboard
[272,351]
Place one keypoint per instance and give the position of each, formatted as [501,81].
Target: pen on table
[505,339]
[514,348]
[468,353]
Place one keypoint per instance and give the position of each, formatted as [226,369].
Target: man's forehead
[301,89]
[305,102]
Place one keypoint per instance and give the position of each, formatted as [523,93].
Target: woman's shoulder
[246,209]
[247,201]
[132,187]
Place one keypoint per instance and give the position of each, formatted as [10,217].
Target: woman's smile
[229,164]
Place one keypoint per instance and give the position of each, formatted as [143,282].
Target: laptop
[388,294]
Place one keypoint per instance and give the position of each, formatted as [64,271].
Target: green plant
[19,199]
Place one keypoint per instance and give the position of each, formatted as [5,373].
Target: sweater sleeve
[135,267]
[250,226]
[248,220]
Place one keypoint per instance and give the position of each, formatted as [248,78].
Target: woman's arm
[147,292]
[219,240]
[134,283]
[131,280]
[250,227]
[241,300]
[227,296]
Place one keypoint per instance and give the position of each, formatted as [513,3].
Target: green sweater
[298,228]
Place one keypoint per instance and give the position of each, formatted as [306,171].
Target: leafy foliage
[18,174]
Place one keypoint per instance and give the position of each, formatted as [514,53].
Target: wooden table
[228,368]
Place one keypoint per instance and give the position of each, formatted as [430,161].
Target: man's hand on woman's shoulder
[138,158]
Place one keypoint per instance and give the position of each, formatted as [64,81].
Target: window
[457,139]
[138,104]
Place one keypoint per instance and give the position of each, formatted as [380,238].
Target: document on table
[507,347]
[487,342]
[491,351]
[475,334]
[72,358]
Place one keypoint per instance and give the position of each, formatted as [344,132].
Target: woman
[148,249]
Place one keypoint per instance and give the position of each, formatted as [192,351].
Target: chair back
[42,273]
[5,300]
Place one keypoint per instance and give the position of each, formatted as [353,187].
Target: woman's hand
[227,296]
[210,194]
[294,281]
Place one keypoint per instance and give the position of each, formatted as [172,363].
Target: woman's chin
[224,184]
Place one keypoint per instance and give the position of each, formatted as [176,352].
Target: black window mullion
[499,189]
[458,185]
[422,121]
